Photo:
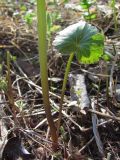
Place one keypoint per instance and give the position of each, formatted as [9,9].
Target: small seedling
[51,27]
[82,40]
[28,17]
[86,5]
[3,84]
[113,2]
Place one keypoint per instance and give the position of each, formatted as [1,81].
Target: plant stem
[115,15]
[9,91]
[89,14]
[41,15]
[63,88]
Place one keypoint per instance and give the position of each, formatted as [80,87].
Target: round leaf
[82,39]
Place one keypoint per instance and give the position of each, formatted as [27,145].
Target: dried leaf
[14,149]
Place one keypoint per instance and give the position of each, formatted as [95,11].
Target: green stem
[63,88]
[41,15]
[115,15]
[89,14]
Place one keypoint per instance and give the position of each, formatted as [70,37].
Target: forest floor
[92,134]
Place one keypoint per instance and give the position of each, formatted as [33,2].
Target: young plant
[113,2]
[86,5]
[51,27]
[9,91]
[28,17]
[41,16]
[84,41]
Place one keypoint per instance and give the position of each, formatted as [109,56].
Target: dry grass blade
[112,70]
[95,130]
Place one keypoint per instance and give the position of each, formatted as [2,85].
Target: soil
[90,134]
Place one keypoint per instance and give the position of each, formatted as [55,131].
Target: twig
[95,130]
[43,121]
[112,70]
[86,145]
[104,115]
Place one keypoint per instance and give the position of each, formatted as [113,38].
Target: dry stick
[114,36]
[112,70]
[104,115]
[5,46]
[26,115]
[95,74]
[9,92]
[95,129]
[86,145]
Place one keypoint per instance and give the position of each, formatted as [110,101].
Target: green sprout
[3,84]
[42,47]
[86,5]
[52,17]
[82,40]
[20,104]
[28,17]
[113,2]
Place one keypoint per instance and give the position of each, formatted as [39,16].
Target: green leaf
[85,4]
[29,17]
[106,56]
[82,39]
[3,84]
[55,28]
[91,16]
